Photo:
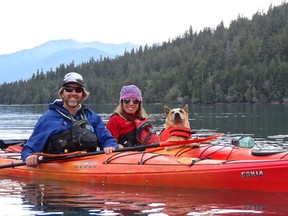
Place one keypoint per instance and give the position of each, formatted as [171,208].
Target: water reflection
[23,197]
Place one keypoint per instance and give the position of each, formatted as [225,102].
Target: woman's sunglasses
[70,89]
[127,101]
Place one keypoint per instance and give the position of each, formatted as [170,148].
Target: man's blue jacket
[53,122]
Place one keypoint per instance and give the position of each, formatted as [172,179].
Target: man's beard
[72,103]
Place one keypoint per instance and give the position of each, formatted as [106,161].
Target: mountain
[22,64]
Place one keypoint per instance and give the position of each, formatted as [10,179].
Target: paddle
[186,142]
[134,148]
[190,141]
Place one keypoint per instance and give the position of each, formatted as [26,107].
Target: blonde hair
[140,111]
[85,93]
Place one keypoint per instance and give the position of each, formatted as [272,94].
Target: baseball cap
[73,77]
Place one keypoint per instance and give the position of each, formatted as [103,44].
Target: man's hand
[32,160]
[108,150]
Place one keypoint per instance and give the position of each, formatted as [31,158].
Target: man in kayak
[68,125]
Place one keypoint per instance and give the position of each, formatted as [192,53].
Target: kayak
[153,169]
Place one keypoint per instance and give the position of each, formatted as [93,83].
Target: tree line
[244,63]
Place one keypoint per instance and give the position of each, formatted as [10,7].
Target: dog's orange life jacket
[173,131]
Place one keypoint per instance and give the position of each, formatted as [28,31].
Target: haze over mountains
[21,65]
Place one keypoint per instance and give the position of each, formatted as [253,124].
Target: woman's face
[130,105]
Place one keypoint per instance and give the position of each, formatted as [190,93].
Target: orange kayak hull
[149,169]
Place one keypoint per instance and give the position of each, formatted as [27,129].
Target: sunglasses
[70,89]
[127,101]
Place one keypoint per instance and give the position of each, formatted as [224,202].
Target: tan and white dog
[176,126]
[177,117]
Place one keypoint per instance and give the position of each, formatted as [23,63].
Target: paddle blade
[189,141]
[6,143]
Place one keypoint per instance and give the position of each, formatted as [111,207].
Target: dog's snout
[177,116]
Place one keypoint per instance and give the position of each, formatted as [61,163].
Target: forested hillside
[246,62]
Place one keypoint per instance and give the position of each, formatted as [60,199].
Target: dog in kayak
[176,126]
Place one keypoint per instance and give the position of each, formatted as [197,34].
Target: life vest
[143,134]
[173,131]
[80,138]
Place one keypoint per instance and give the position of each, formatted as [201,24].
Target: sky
[29,23]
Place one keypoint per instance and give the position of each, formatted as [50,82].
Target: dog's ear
[166,110]
[185,108]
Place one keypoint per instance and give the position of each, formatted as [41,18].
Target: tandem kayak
[153,169]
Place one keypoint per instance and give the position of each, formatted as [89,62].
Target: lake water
[42,197]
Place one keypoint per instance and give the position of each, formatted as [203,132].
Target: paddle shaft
[4,143]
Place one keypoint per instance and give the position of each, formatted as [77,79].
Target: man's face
[72,95]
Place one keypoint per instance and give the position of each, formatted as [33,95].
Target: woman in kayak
[68,125]
[129,123]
